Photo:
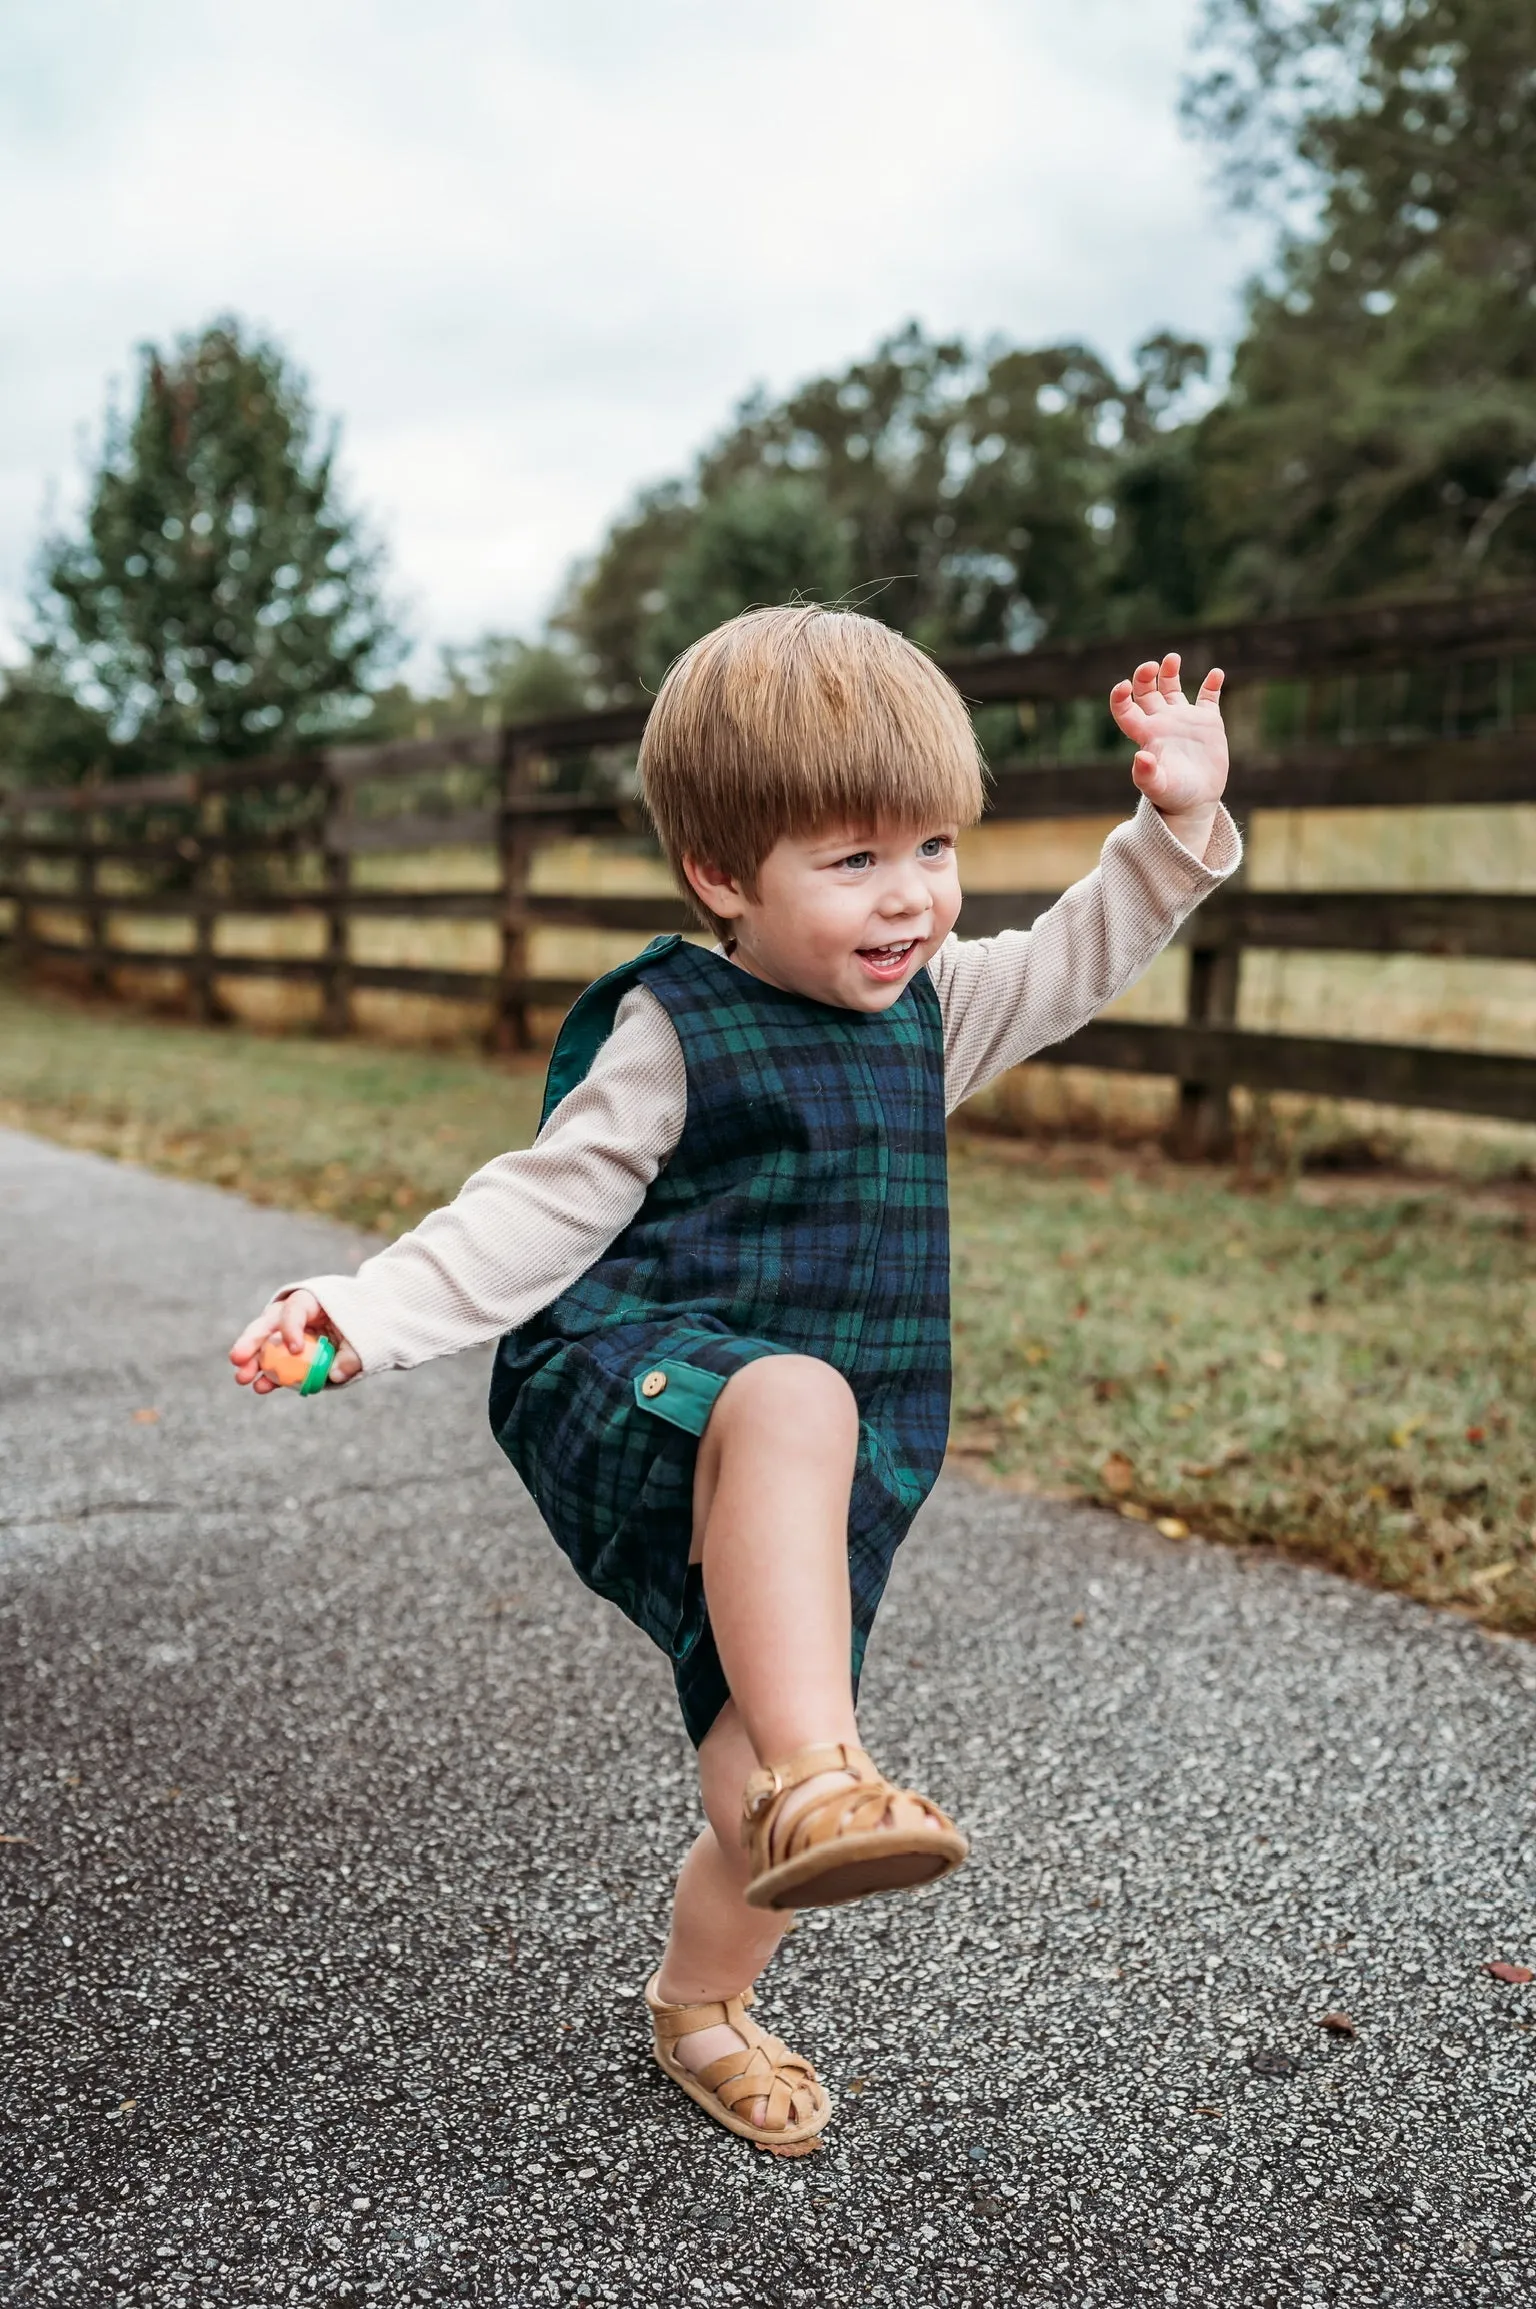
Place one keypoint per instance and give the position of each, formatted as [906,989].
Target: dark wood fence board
[1473,923]
[1384,1073]
[1320,644]
[462,829]
[1416,775]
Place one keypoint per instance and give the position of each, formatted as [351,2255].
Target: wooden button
[654,1383]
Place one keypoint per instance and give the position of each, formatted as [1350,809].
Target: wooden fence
[1404,707]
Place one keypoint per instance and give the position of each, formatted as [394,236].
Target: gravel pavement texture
[340,1821]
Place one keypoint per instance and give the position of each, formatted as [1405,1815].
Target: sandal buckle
[762,1789]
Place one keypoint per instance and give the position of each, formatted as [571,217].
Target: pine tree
[222,601]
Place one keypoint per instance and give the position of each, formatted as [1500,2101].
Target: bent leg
[770,1521]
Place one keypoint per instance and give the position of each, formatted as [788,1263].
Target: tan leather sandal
[860,1837]
[762,2068]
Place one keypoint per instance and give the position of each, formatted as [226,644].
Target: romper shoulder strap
[589,1022]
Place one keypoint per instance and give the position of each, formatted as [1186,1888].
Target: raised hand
[1181,749]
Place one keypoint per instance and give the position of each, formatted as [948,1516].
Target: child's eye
[935,846]
[858,858]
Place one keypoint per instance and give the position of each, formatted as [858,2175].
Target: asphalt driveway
[339,1822]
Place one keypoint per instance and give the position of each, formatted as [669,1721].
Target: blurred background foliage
[1374,434]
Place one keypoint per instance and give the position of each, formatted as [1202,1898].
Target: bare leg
[774,1473]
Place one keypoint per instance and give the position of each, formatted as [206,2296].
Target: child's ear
[720,893]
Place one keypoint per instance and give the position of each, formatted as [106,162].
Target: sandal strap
[770,1781]
[861,1801]
[674,2020]
[760,2068]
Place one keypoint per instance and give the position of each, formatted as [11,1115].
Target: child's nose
[909,895]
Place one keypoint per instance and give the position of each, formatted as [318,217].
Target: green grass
[371,1135]
[1352,1378]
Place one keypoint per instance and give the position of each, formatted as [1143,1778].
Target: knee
[798,1398]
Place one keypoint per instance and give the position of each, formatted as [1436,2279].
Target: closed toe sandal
[859,1837]
[760,2069]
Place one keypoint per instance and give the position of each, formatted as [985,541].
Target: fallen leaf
[1037,1354]
[1105,1390]
[1205,2109]
[1134,1509]
[857,2084]
[145,1418]
[1199,1469]
[1512,1975]
[1405,1433]
[1080,1310]
[1477,1434]
[1272,1359]
[1079,1619]
[1181,1411]
[18,1839]
[1263,2062]
[1159,1369]
[1117,1474]
[1173,1527]
[1338,2023]
[1494,1573]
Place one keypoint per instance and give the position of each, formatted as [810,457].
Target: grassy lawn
[1350,1375]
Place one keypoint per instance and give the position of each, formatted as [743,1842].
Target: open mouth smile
[887,962]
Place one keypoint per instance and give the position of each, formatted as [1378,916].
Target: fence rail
[282,837]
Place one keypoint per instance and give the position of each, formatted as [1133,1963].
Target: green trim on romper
[688,1398]
[588,1024]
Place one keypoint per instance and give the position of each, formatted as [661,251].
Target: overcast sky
[532,255]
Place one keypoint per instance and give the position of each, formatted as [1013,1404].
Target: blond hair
[785,721]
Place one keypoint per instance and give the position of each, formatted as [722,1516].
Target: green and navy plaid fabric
[805,1211]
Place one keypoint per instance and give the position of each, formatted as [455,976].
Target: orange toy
[307,1371]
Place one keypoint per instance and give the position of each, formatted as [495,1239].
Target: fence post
[1202,1128]
[17,871]
[510,1030]
[98,977]
[1202,1123]
[201,992]
[336,984]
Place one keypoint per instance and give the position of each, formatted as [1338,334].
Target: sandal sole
[854,1867]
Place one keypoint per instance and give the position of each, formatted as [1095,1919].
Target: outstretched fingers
[1128,702]
[1210,688]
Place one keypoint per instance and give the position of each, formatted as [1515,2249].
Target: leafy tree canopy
[1379,433]
[966,497]
[221,599]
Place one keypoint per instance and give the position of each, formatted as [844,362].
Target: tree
[221,600]
[966,497]
[502,678]
[1379,432]
[763,538]
[47,737]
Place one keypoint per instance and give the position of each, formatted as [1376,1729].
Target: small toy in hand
[307,1370]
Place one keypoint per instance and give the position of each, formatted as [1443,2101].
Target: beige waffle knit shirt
[529,1223]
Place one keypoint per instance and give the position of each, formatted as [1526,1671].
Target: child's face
[846,916]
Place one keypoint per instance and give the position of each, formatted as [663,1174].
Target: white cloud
[532,255]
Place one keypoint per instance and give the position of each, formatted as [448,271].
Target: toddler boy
[720,1277]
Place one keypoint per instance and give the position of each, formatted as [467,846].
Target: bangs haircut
[786,721]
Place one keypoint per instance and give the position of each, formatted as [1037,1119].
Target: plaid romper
[804,1211]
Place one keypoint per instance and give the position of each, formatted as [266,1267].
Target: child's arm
[517,1234]
[1007,997]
